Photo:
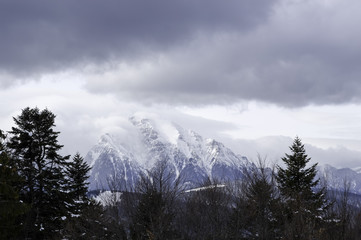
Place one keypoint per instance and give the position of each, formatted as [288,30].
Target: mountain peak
[187,153]
[122,158]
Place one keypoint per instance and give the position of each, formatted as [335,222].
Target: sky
[252,73]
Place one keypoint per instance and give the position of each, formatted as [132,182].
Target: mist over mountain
[188,155]
[120,158]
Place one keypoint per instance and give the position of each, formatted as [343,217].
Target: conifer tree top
[296,178]
[297,184]
[34,134]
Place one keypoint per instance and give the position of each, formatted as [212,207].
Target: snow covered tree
[10,205]
[304,205]
[34,147]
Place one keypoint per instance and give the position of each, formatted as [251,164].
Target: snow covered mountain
[118,160]
[341,179]
[188,155]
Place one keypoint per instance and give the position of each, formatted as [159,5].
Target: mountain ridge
[187,154]
[120,160]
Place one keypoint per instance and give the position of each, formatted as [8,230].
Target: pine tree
[34,147]
[93,223]
[10,205]
[297,184]
[86,218]
[262,203]
[77,173]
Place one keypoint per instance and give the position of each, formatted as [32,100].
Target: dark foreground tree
[11,208]
[206,211]
[155,210]
[93,223]
[305,205]
[86,218]
[259,206]
[77,173]
[34,147]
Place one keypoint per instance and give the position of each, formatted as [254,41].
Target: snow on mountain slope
[187,154]
[341,179]
[118,160]
[111,161]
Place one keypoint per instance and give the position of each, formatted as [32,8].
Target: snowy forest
[44,195]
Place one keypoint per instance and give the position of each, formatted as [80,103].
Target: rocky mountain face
[340,179]
[118,161]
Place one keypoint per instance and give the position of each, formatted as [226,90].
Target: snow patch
[108,198]
[205,188]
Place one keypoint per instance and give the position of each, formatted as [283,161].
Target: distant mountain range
[120,160]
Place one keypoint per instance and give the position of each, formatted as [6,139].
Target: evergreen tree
[297,184]
[86,217]
[34,146]
[93,223]
[262,203]
[10,205]
[77,173]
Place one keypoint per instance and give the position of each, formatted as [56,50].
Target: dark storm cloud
[288,52]
[41,36]
[308,52]
[285,78]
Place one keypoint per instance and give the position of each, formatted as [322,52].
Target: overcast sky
[236,69]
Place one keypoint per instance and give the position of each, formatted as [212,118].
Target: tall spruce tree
[78,173]
[34,147]
[304,205]
[86,220]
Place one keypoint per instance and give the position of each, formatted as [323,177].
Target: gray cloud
[287,52]
[42,36]
[307,53]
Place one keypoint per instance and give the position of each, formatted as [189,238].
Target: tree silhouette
[304,205]
[34,147]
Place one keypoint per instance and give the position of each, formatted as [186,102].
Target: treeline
[282,203]
[44,195]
